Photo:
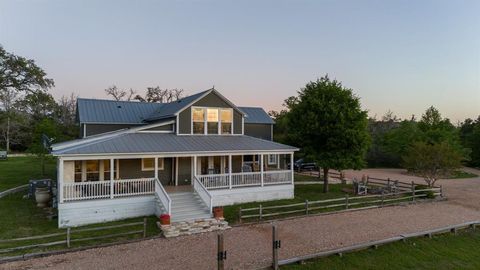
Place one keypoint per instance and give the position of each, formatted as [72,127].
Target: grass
[16,171]
[20,217]
[462,174]
[302,192]
[442,252]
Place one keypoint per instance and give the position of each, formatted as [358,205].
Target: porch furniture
[246,168]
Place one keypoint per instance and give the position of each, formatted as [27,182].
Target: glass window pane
[106,165]
[226,128]
[212,128]
[148,163]
[198,127]
[198,115]
[212,115]
[92,166]
[78,166]
[226,116]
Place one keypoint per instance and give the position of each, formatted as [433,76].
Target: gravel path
[249,246]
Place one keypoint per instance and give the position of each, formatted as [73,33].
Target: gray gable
[169,109]
[114,112]
[255,115]
[134,143]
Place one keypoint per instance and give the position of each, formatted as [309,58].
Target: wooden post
[144,227]
[260,212]
[306,207]
[441,191]
[261,170]
[346,201]
[383,197]
[413,191]
[239,214]
[276,244]
[221,253]
[68,237]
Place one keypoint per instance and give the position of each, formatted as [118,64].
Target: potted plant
[164,219]
[42,196]
[218,212]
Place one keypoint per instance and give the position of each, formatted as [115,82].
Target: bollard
[276,244]
[221,253]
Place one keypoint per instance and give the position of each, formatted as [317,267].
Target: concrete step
[187,217]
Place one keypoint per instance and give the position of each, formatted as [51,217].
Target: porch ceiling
[133,143]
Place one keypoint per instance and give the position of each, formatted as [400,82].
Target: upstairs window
[212,121]
[198,118]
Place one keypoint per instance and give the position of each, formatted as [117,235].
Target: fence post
[276,244]
[413,191]
[144,227]
[221,253]
[260,212]
[346,201]
[306,207]
[68,237]
[383,197]
[239,214]
[441,191]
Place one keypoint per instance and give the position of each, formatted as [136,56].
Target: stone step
[187,217]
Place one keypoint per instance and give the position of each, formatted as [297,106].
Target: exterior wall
[184,171]
[168,127]
[236,164]
[262,131]
[132,168]
[210,100]
[69,171]
[97,211]
[94,129]
[252,194]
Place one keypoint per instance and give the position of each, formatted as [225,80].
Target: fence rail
[67,236]
[245,179]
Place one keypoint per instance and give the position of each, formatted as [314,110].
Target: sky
[398,55]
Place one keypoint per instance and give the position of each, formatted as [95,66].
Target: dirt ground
[249,247]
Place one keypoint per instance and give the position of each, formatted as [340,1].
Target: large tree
[327,122]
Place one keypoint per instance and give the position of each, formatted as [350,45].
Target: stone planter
[42,196]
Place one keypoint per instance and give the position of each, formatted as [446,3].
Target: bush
[430,194]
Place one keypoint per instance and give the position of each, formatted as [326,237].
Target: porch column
[60,179]
[291,165]
[261,168]
[194,166]
[112,175]
[156,168]
[230,171]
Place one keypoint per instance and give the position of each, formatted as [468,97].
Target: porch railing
[245,179]
[162,195]
[103,189]
[202,191]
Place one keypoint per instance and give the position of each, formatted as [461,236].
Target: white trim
[60,176]
[177,125]
[204,95]
[112,169]
[156,168]
[155,161]
[176,171]
[271,132]
[261,169]
[146,169]
[274,162]
[84,130]
[243,125]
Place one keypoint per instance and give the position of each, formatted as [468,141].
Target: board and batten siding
[262,131]
[97,211]
[210,100]
[132,169]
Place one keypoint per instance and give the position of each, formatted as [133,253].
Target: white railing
[86,190]
[162,195]
[102,189]
[133,187]
[277,177]
[202,191]
[245,179]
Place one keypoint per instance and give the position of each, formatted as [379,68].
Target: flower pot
[164,219]
[218,212]
[42,196]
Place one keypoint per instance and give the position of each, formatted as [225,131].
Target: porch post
[291,166]
[60,178]
[156,168]
[112,175]
[194,166]
[230,171]
[261,168]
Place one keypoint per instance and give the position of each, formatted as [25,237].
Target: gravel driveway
[249,247]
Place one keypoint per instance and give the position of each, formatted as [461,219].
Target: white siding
[96,211]
[252,194]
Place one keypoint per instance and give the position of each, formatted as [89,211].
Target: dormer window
[212,120]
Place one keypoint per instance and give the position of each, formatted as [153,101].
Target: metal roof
[114,112]
[137,142]
[169,109]
[255,115]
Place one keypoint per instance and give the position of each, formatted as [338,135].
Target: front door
[184,170]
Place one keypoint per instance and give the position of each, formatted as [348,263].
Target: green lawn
[462,174]
[302,192]
[16,171]
[442,252]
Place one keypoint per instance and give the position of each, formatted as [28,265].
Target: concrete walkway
[249,247]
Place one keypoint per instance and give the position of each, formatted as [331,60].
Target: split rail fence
[401,193]
[70,236]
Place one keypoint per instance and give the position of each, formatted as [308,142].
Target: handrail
[162,192]
[201,189]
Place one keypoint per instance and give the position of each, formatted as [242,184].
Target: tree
[470,138]
[378,154]
[158,95]
[432,161]
[45,132]
[8,97]
[327,122]
[120,94]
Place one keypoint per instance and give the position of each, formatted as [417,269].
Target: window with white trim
[226,119]
[212,120]
[198,119]
[272,159]
[148,164]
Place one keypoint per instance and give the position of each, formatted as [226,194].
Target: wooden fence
[403,193]
[68,237]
